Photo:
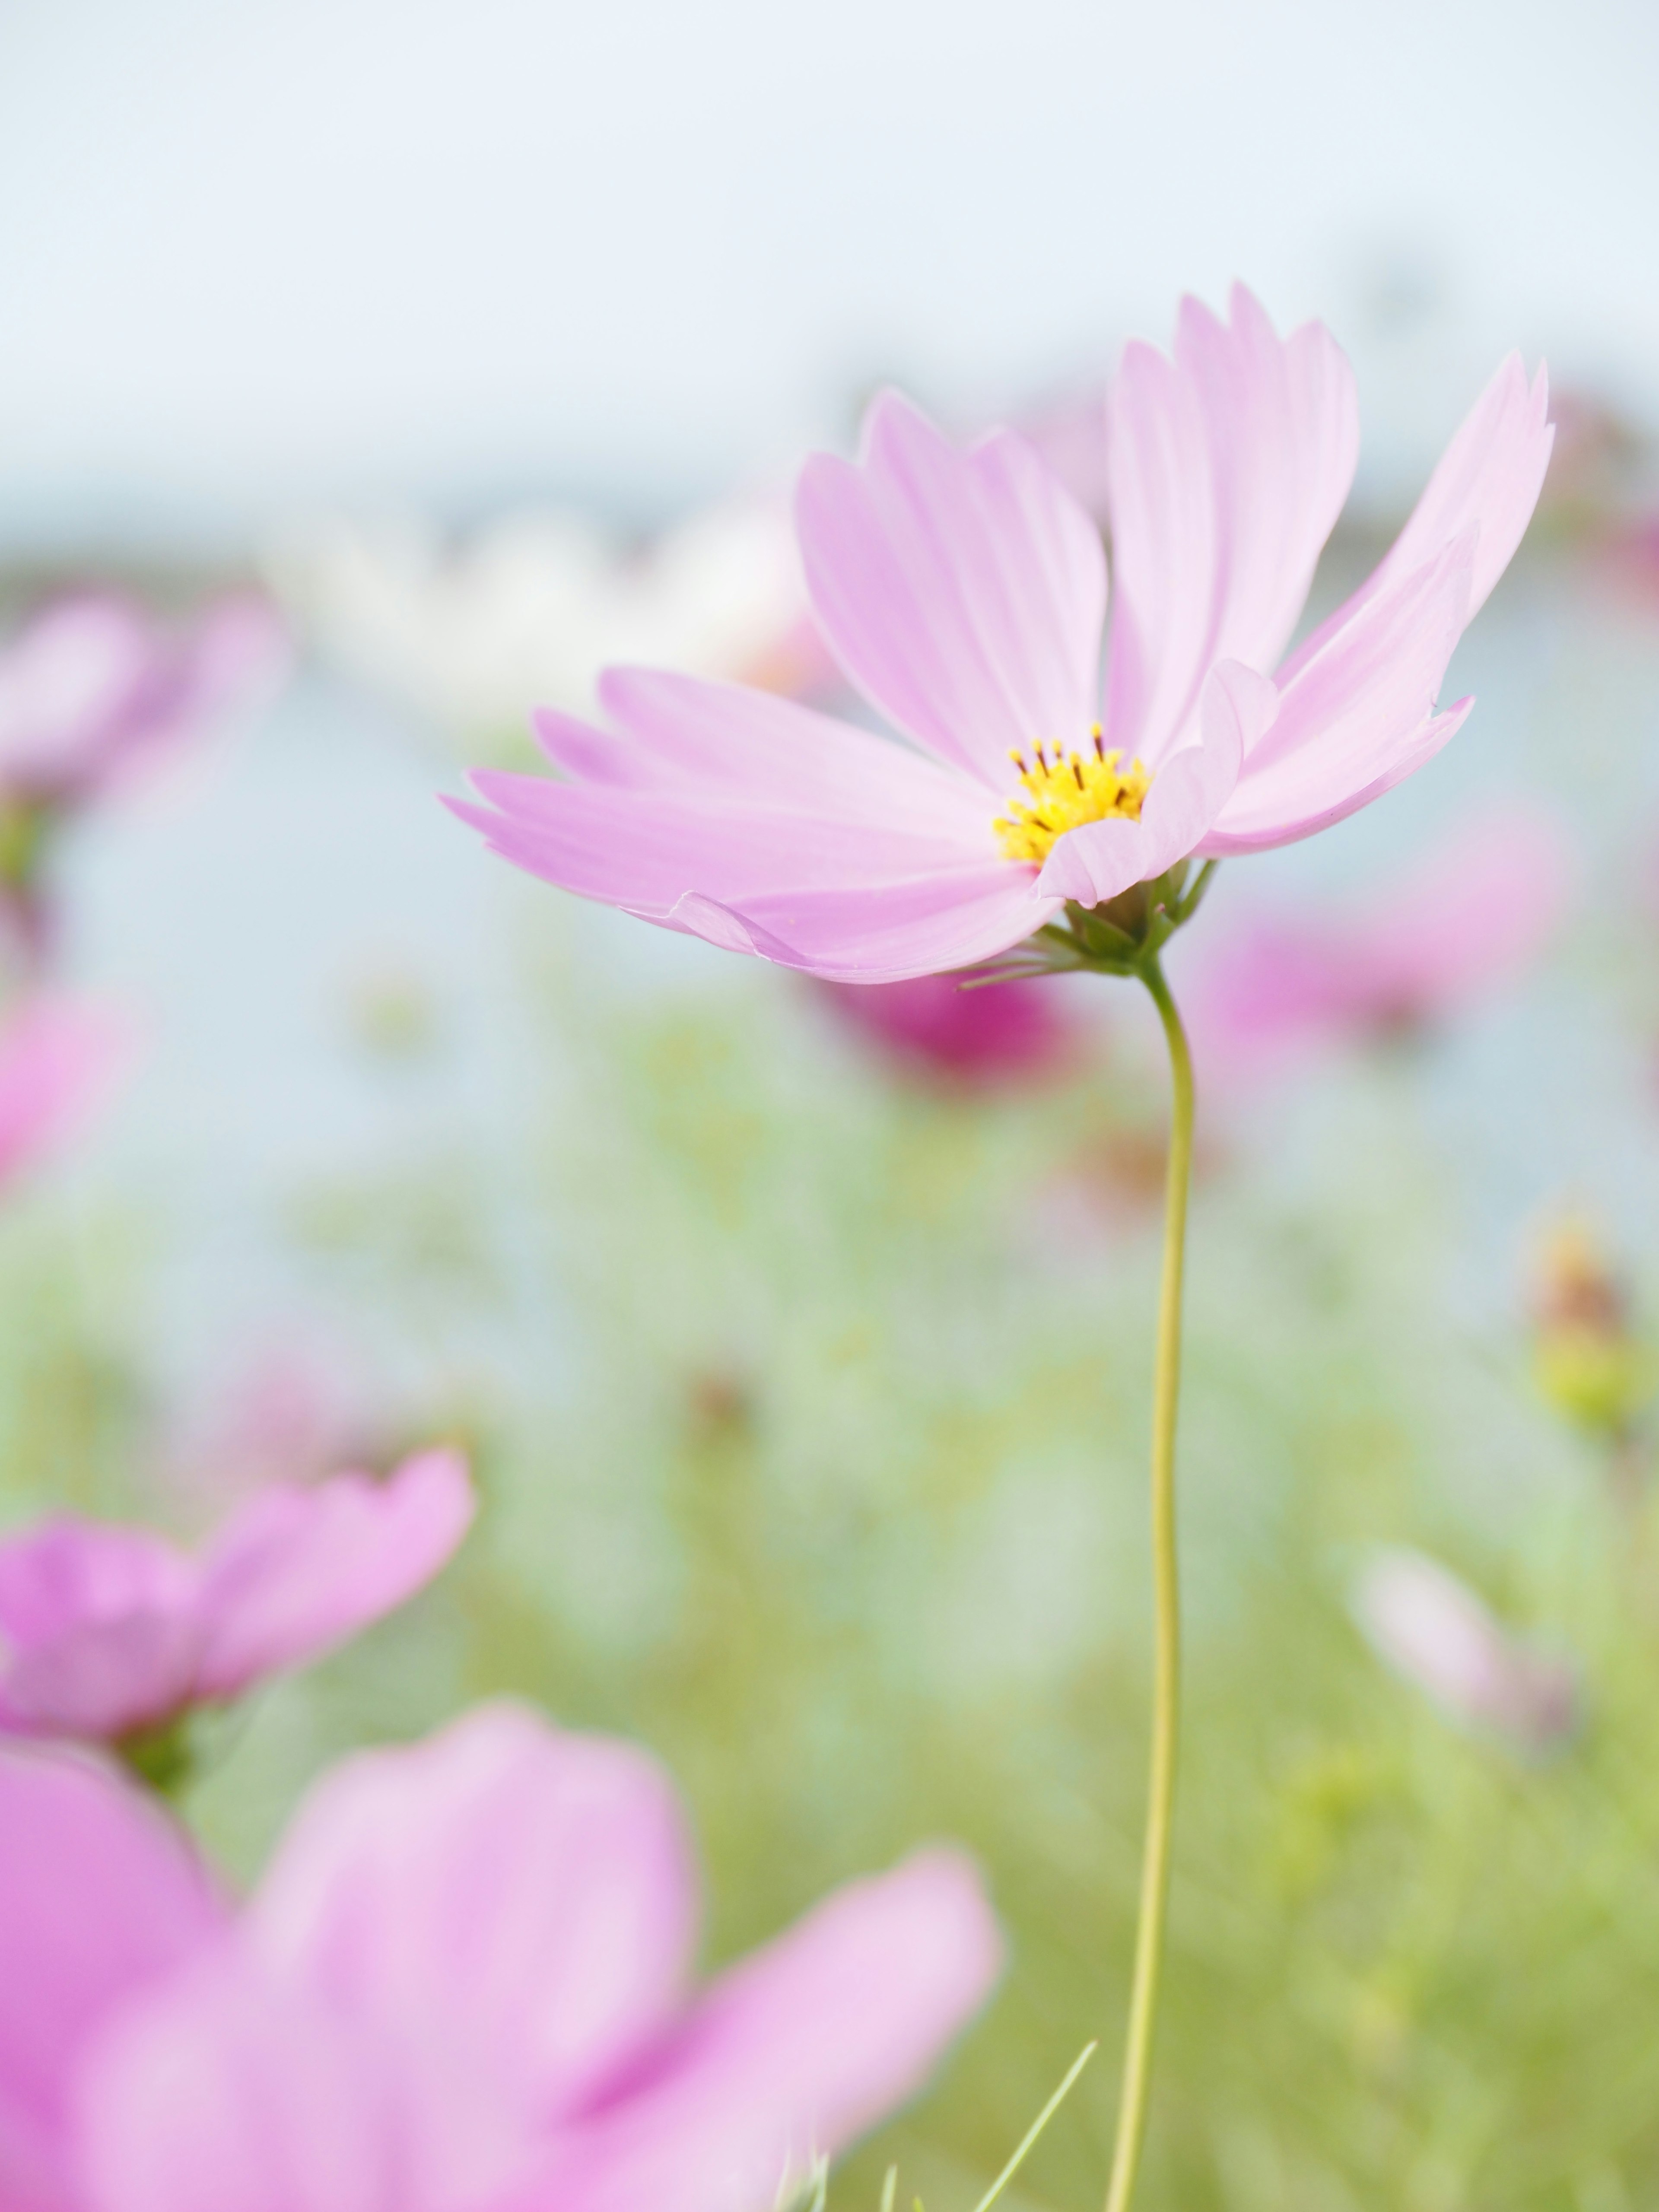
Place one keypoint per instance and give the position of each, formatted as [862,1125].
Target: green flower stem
[1166,1694]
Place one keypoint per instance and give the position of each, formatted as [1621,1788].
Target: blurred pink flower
[1007,1033]
[58,1060]
[462,1985]
[1468,917]
[105,1631]
[96,691]
[1434,1630]
[293,1410]
[964,595]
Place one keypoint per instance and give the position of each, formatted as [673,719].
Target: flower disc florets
[1066,792]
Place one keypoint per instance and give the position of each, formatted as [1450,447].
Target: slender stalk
[1166,1693]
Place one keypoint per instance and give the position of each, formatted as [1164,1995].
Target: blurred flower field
[803,1368]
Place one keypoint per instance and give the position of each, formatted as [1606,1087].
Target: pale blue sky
[258,252]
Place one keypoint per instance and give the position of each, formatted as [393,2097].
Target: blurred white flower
[1436,1633]
[526,612]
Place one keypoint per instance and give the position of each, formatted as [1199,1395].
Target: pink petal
[798,2050]
[297,1571]
[1095,863]
[97,1629]
[504,1890]
[765,752]
[100,1897]
[1228,468]
[95,690]
[884,932]
[1357,717]
[1487,481]
[1474,910]
[963,592]
[72,671]
[231,2090]
[645,850]
[59,1062]
[1433,1630]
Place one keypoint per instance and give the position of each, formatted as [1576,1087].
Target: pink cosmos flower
[461,1986]
[965,596]
[108,1630]
[96,691]
[1466,918]
[1435,1633]
[57,1061]
[931,1026]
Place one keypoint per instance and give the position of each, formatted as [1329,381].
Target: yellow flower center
[1065,790]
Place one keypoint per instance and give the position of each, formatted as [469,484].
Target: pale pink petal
[1095,863]
[96,690]
[97,1629]
[645,850]
[71,672]
[1291,827]
[232,2090]
[762,752]
[297,1571]
[884,932]
[100,1897]
[1433,1630]
[1487,481]
[798,2050]
[59,1062]
[1475,910]
[505,1889]
[1228,466]
[963,592]
[1357,717]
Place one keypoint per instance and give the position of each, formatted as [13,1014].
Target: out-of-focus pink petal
[232,2090]
[1229,466]
[72,671]
[931,1026]
[95,691]
[58,1061]
[1411,950]
[97,1634]
[1487,481]
[1475,910]
[1353,715]
[1434,1630]
[964,592]
[297,1571]
[644,850]
[1095,863]
[797,2049]
[100,1897]
[884,932]
[681,732]
[505,1889]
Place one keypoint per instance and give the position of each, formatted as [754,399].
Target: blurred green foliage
[813,1458]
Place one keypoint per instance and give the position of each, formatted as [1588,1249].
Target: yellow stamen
[1063,793]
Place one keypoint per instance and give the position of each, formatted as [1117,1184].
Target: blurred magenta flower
[1466,918]
[1014,1034]
[1433,1630]
[107,1633]
[96,691]
[58,1060]
[964,595]
[462,1985]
